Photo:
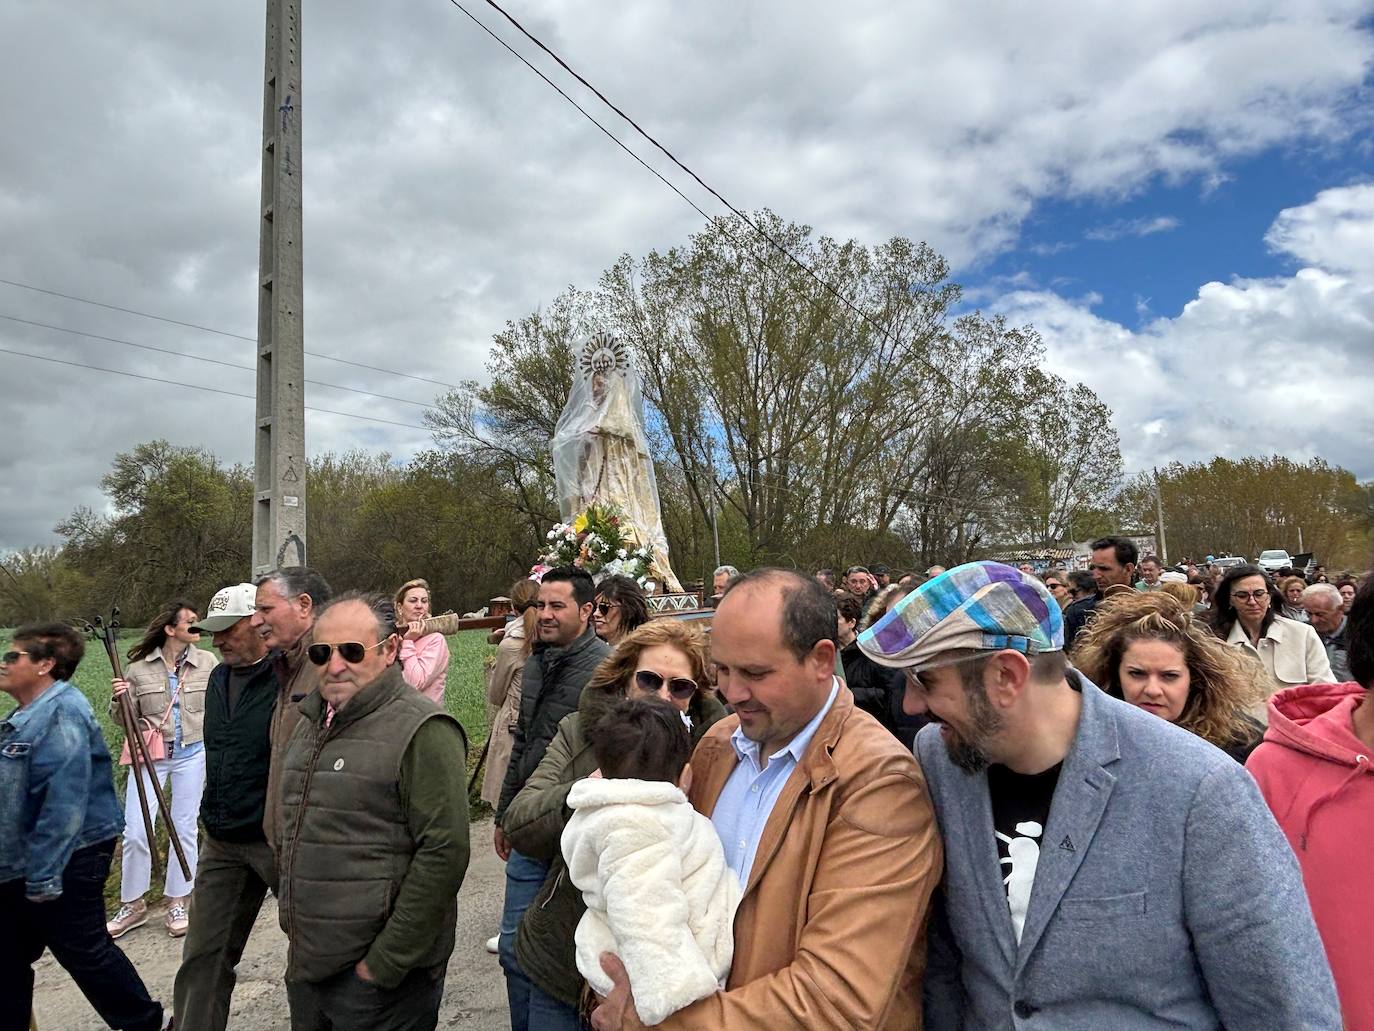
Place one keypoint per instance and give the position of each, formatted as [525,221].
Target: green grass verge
[464,697]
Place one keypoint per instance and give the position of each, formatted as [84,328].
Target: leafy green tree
[811,432]
[180,527]
[1248,505]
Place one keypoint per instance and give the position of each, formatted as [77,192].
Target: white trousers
[188,782]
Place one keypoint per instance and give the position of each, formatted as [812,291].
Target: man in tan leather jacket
[824,817]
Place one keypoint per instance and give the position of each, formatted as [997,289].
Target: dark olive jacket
[363,875]
[534,823]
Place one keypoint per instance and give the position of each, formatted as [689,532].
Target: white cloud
[1335,231]
[1255,366]
[1144,226]
[448,189]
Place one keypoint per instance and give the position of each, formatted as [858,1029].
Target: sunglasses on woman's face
[651,682]
[603,608]
[349,651]
[1052,585]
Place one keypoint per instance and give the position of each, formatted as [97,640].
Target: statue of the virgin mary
[601,454]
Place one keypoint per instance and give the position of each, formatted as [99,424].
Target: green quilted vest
[346,846]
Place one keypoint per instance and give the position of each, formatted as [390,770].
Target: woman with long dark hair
[1245,614]
[621,607]
[165,678]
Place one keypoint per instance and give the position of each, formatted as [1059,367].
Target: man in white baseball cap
[236,864]
[227,607]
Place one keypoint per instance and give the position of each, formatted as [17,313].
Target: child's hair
[642,738]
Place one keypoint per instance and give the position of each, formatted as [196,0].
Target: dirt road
[474,991]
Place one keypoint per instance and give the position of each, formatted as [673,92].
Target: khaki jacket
[150,691]
[297,677]
[503,708]
[831,930]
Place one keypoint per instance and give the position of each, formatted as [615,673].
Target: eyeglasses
[349,651]
[913,675]
[1052,585]
[603,608]
[1248,595]
[678,687]
[10,658]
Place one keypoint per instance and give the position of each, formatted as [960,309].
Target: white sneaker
[494,944]
[130,915]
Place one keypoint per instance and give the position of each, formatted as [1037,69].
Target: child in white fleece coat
[650,867]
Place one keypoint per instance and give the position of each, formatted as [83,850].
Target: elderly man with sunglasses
[375,845]
[1103,868]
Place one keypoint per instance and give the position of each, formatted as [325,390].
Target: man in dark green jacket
[375,846]
[236,865]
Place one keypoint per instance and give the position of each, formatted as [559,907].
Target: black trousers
[73,927]
[346,1003]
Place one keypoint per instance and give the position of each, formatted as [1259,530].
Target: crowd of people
[982,797]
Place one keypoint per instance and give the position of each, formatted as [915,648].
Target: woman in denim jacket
[58,823]
[166,678]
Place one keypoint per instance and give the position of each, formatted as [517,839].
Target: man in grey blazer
[1104,869]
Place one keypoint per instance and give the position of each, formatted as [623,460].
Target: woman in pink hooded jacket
[1316,770]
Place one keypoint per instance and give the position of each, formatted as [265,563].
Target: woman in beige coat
[166,679]
[503,686]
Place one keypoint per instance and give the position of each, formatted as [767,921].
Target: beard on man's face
[969,753]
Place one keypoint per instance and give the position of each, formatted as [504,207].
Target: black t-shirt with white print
[1020,813]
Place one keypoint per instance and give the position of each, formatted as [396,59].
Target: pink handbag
[154,744]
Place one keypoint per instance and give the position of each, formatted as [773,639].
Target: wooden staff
[138,749]
[448,624]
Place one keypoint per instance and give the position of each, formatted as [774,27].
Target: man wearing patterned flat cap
[1103,867]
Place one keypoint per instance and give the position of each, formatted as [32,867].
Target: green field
[464,697]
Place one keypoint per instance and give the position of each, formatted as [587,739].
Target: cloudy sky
[1179,196]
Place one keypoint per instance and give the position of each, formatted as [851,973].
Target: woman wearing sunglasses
[166,678]
[1058,586]
[1245,614]
[665,658]
[621,607]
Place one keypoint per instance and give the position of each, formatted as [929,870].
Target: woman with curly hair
[1151,651]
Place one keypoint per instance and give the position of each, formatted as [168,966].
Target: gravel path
[474,991]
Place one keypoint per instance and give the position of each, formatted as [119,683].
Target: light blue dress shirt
[749,795]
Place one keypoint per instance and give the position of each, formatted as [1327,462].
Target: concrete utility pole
[279,452]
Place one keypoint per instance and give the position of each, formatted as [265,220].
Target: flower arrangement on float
[597,541]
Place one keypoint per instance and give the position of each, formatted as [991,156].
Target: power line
[585,113]
[218,332]
[833,291]
[202,358]
[198,386]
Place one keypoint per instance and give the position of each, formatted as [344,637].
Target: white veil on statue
[601,453]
